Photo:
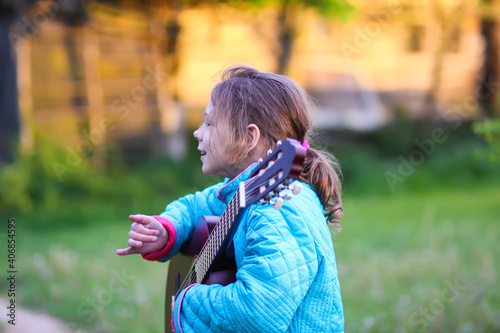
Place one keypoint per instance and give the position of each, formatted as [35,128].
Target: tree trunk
[25,95]
[168,129]
[286,36]
[71,36]
[9,108]
[430,104]
[437,68]
[97,126]
[489,76]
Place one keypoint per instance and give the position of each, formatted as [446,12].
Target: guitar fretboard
[216,239]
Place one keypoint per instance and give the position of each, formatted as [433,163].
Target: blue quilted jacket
[287,277]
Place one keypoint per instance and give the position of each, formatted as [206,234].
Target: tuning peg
[279,142]
[260,160]
[278,204]
[297,188]
[281,187]
[271,195]
[286,196]
[269,152]
[264,201]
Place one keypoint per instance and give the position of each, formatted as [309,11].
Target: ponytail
[320,171]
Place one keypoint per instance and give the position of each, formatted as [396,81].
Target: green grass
[396,257]
[74,274]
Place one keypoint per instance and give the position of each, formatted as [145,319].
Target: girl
[286,272]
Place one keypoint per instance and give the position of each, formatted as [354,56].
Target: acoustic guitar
[211,243]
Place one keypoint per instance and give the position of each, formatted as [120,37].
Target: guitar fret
[216,238]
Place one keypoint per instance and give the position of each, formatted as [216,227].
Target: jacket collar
[230,185]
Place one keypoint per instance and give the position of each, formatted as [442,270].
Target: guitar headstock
[275,173]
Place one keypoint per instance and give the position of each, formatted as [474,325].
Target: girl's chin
[205,168]
[210,172]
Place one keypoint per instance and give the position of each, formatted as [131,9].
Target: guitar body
[223,270]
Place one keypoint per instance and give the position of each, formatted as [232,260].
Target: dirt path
[28,321]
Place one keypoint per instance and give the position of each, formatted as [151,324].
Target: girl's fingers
[143,230]
[139,233]
[141,237]
[133,243]
[124,252]
[139,218]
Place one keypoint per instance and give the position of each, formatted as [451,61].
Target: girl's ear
[253,136]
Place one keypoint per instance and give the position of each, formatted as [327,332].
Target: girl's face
[213,141]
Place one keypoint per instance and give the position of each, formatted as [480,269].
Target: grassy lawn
[422,262]
[426,262]
[74,274]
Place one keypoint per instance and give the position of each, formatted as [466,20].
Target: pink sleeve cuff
[172,236]
[172,322]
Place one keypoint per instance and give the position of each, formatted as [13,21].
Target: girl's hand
[146,235]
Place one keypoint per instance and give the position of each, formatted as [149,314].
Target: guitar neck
[218,238]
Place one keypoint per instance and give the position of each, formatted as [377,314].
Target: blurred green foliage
[339,9]
[490,130]
[34,184]
[453,163]
[31,180]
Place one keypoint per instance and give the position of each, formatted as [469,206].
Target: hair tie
[305,144]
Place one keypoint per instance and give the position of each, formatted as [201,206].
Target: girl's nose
[196,134]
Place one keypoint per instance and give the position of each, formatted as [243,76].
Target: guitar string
[190,277]
[219,234]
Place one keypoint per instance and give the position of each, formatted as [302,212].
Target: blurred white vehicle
[344,102]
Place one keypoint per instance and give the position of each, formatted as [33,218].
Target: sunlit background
[99,99]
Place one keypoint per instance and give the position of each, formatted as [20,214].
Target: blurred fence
[101,80]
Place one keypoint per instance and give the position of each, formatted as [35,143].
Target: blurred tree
[83,63]
[490,130]
[445,19]
[19,21]
[288,20]
[288,23]
[74,15]
[488,82]
[9,107]
[168,129]
[167,125]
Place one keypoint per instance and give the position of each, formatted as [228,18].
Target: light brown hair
[281,109]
